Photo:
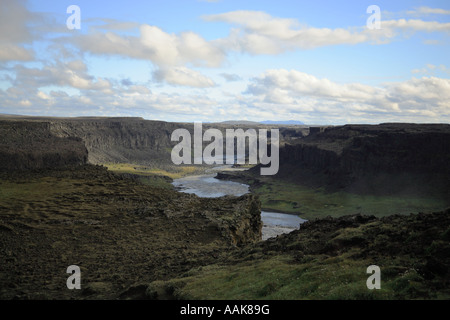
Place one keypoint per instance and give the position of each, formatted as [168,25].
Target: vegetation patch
[278,195]
[328,259]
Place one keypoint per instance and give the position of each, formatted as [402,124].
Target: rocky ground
[122,234]
[133,241]
[328,259]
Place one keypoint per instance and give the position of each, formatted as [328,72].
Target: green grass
[309,203]
[172,172]
[279,278]
[154,176]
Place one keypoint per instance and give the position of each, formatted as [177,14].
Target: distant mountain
[269,122]
[288,122]
[241,122]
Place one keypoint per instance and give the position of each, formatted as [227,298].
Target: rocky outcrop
[29,145]
[241,222]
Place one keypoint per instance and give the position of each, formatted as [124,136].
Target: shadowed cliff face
[31,145]
[387,156]
[35,142]
[107,140]
[120,140]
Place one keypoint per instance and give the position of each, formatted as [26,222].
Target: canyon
[61,206]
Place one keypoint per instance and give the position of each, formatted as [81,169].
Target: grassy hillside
[328,259]
[121,233]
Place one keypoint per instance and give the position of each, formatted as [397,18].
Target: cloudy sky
[319,62]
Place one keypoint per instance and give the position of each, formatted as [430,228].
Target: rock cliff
[32,145]
[129,140]
[107,140]
[386,156]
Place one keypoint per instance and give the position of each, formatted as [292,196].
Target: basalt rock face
[34,142]
[107,140]
[241,221]
[29,145]
[344,156]
[131,140]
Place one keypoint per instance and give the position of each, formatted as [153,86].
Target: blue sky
[192,60]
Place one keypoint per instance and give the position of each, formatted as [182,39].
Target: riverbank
[312,202]
[208,186]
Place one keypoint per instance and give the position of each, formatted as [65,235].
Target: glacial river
[207,186]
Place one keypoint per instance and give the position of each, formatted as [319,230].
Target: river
[206,186]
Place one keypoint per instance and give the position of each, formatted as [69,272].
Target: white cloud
[161,47]
[184,77]
[254,32]
[25,103]
[257,32]
[171,53]
[43,95]
[260,33]
[415,25]
[72,75]
[302,84]
[431,69]
[418,98]
[61,80]
[427,11]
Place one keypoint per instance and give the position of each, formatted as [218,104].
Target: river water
[206,186]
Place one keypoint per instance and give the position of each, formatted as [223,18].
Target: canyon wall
[345,155]
[31,145]
[127,140]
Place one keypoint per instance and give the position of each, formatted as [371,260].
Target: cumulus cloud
[183,76]
[427,11]
[69,74]
[257,32]
[415,25]
[59,81]
[254,32]
[431,69]
[171,53]
[303,93]
[302,84]
[133,100]
[30,93]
